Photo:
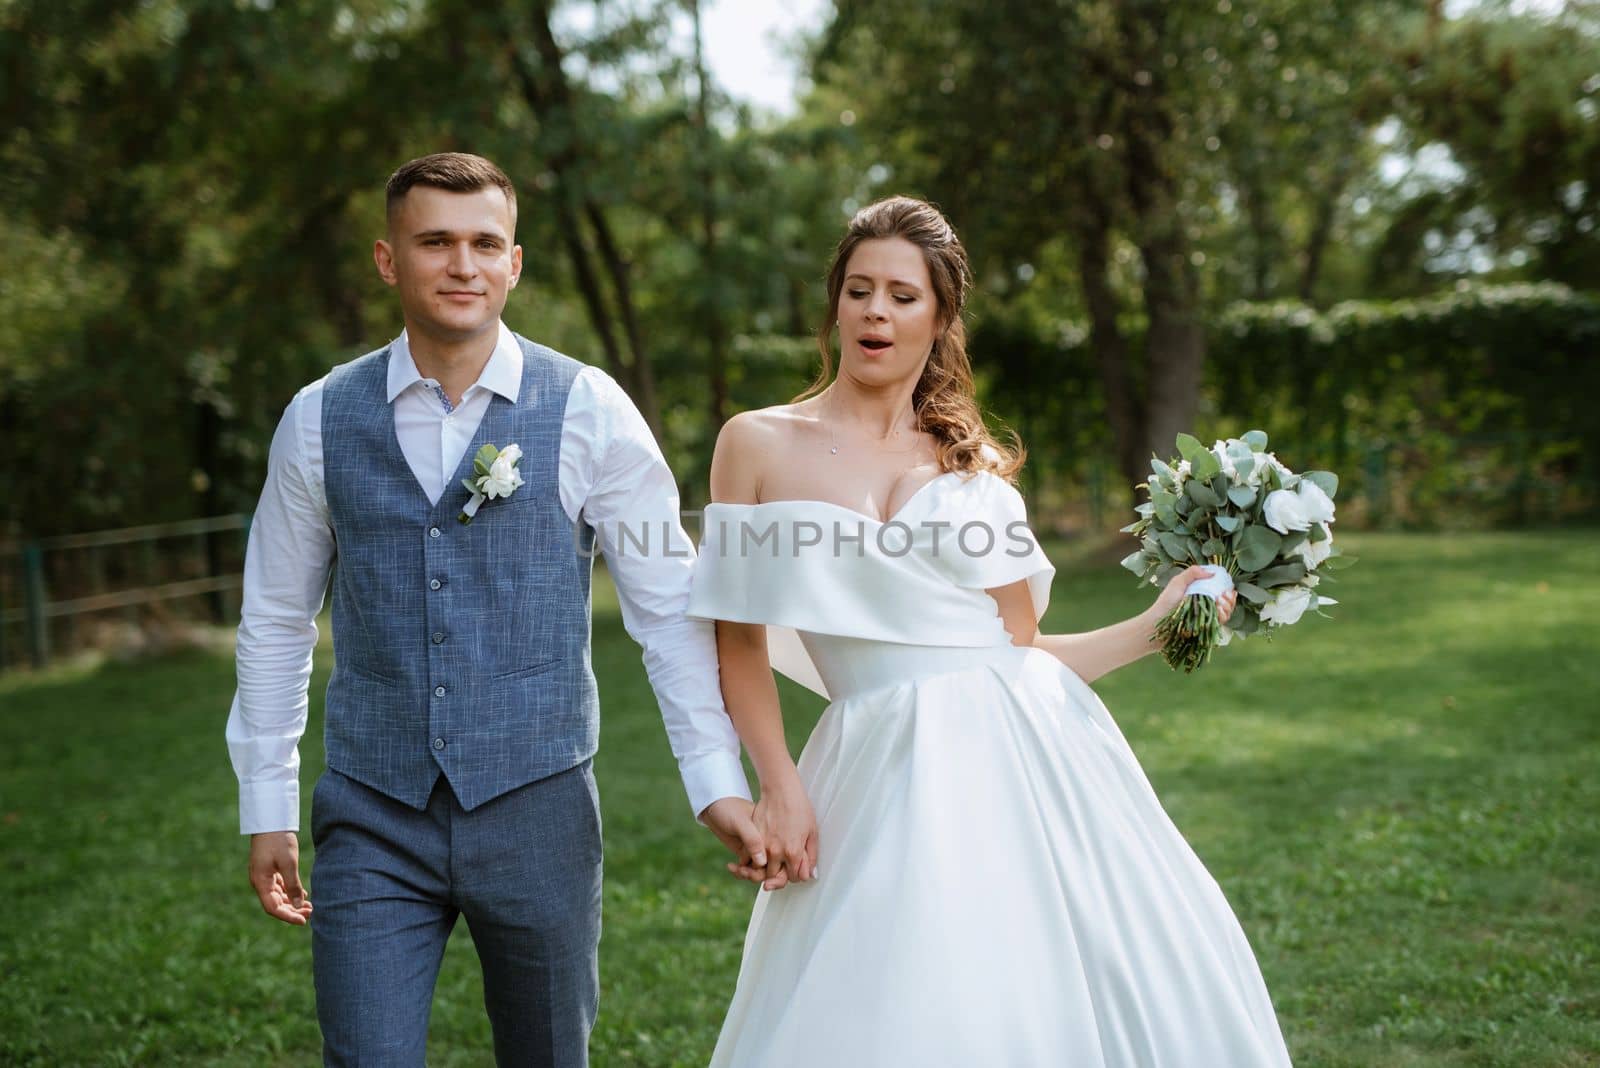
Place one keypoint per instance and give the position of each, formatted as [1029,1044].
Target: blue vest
[460,649]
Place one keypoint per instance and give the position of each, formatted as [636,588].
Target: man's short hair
[457,172]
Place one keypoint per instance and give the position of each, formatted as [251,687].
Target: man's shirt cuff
[269,806]
[709,777]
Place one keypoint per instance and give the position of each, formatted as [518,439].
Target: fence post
[1376,471]
[38,623]
[1097,495]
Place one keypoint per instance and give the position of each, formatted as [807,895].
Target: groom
[461,716]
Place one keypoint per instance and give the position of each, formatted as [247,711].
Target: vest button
[438,743]
[438,637]
[435,584]
[438,691]
[433,532]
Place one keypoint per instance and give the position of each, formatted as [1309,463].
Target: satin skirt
[998,886]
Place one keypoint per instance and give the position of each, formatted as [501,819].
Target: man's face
[450,255]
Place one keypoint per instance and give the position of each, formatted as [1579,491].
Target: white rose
[1182,471]
[1283,512]
[1318,505]
[503,477]
[1263,460]
[1312,553]
[1287,606]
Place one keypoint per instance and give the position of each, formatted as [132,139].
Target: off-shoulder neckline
[898,512]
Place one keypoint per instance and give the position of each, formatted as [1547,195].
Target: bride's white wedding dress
[998,885]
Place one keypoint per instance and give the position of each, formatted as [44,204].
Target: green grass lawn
[1403,807]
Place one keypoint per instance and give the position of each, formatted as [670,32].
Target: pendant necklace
[833,442]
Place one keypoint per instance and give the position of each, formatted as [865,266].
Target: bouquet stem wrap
[1190,631]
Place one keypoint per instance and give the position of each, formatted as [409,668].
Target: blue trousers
[388,883]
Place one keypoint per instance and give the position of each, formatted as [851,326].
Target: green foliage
[1465,407]
[193,189]
[1516,100]
[1471,407]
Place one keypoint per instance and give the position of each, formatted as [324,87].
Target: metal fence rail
[38,609]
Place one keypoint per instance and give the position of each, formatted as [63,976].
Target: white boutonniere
[494,474]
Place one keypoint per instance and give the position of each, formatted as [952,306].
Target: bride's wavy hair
[945,400]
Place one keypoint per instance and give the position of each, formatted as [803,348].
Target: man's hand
[275,873]
[732,820]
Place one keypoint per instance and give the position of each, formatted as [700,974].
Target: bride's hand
[1174,593]
[787,822]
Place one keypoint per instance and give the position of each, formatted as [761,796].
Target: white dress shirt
[611,473]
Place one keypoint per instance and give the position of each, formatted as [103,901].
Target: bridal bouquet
[1263,529]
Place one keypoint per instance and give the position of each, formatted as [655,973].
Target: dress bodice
[809,568]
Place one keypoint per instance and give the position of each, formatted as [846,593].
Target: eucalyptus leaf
[1189,447]
[1229,523]
[1282,575]
[1338,562]
[1326,481]
[1257,547]
[1292,539]
[1159,466]
[1213,548]
[1173,544]
[1253,593]
[1242,496]
[1167,514]
[1203,465]
[467,482]
[1256,439]
[1201,493]
[1317,533]
[1135,562]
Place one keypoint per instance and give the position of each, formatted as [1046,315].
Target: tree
[1516,100]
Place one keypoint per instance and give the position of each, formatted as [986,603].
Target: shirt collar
[502,374]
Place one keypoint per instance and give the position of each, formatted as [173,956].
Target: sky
[744,42]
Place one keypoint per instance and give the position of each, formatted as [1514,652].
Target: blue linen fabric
[389,884]
[458,648]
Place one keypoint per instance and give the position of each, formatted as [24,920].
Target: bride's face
[888,313]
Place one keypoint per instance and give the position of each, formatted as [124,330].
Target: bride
[967,867]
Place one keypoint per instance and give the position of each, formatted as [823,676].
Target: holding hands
[775,840]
